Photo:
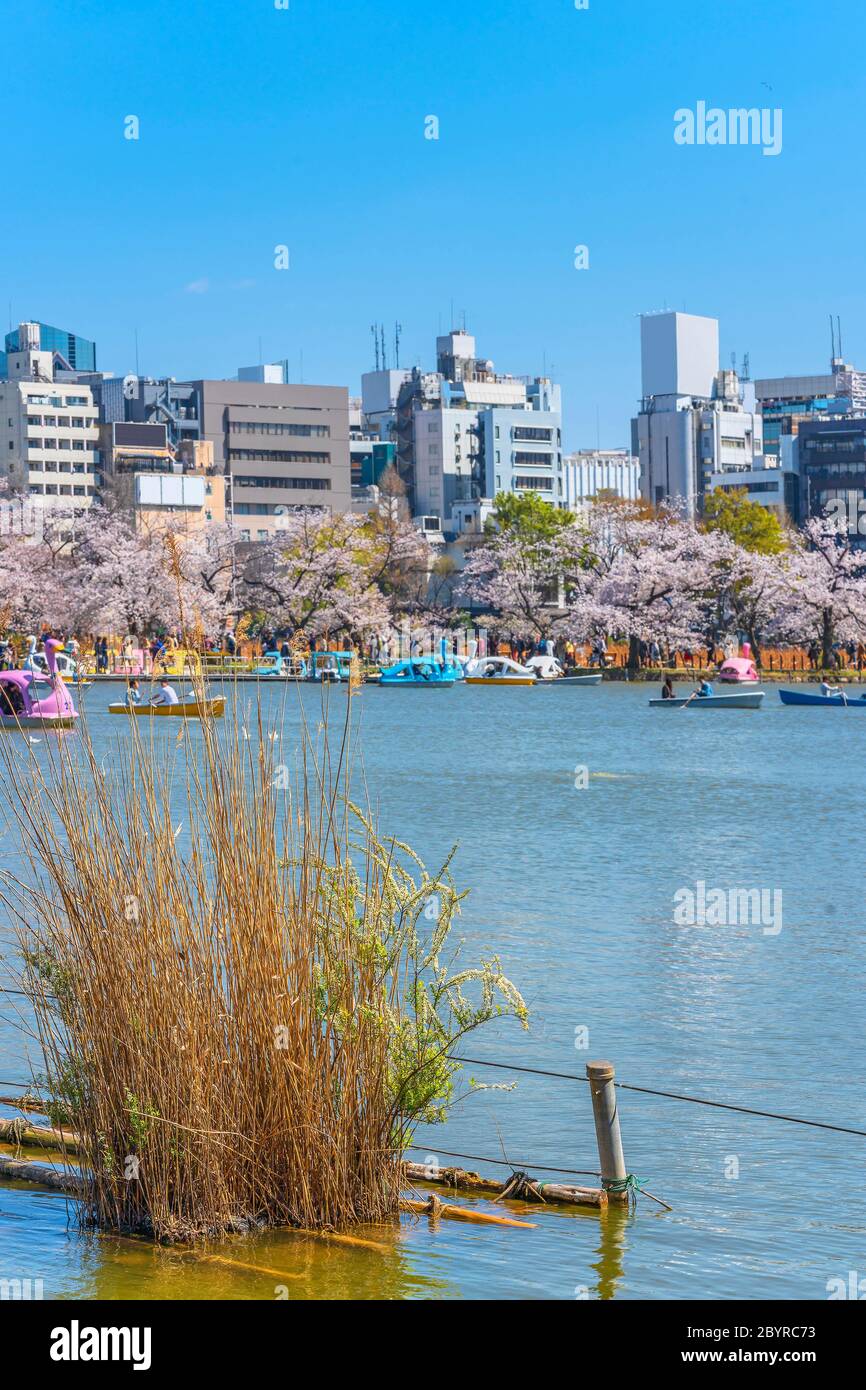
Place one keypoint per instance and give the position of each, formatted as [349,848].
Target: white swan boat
[498,670]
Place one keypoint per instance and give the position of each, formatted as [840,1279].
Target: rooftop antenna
[384,356]
[746,369]
[839,334]
[375,343]
[398,329]
[733,361]
[832,342]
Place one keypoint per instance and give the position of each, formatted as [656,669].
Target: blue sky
[305,127]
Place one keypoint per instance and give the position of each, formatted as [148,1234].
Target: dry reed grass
[243,1017]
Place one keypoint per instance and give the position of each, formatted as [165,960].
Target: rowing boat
[184,709]
[840,701]
[750,699]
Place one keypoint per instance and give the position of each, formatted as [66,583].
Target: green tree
[748,523]
[527,517]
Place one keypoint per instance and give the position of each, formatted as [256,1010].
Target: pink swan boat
[739,670]
[33,700]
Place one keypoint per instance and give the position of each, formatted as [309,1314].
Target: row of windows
[58,400]
[752,487]
[522,456]
[277,456]
[842,467]
[268,427]
[837,444]
[75,422]
[78,444]
[535,484]
[59,490]
[531,432]
[37,466]
[310,484]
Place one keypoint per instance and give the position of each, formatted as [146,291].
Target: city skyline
[287,128]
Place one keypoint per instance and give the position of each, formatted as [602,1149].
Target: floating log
[529,1189]
[29,1104]
[38,1136]
[434,1207]
[28,1170]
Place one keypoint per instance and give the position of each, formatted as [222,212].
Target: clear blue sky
[305,126]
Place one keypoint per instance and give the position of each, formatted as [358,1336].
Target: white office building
[695,421]
[592,473]
[466,433]
[48,430]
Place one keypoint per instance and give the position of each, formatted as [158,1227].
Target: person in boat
[704,689]
[133,694]
[827,689]
[668,689]
[166,695]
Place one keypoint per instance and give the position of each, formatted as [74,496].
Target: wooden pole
[606,1116]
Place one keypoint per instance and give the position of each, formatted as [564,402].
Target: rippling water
[574,889]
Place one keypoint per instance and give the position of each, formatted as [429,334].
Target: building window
[277,456]
[310,484]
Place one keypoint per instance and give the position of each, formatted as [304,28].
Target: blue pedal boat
[419,671]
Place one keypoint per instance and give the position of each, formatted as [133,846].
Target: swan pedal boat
[797,697]
[750,699]
[184,709]
[498,670]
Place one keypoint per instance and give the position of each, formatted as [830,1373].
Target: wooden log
[30,1105]
[38,1136]
[436,1208]
[28,1170]
[531,1189]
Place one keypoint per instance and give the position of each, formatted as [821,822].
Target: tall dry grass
[241,1005]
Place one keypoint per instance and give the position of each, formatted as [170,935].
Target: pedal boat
[498,670]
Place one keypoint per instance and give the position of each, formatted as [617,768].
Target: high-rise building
[78,353]
[697,427]
[48,429]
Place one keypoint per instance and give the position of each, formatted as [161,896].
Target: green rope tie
[631,1184]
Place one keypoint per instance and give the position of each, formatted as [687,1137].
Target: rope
[631,1184]
[669,1095]
[503,1163]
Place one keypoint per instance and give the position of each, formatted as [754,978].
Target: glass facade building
[79,352]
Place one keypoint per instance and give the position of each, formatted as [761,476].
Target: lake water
[574,887]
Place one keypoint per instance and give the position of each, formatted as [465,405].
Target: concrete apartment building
[48,429]
[464,432]
[279,447]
